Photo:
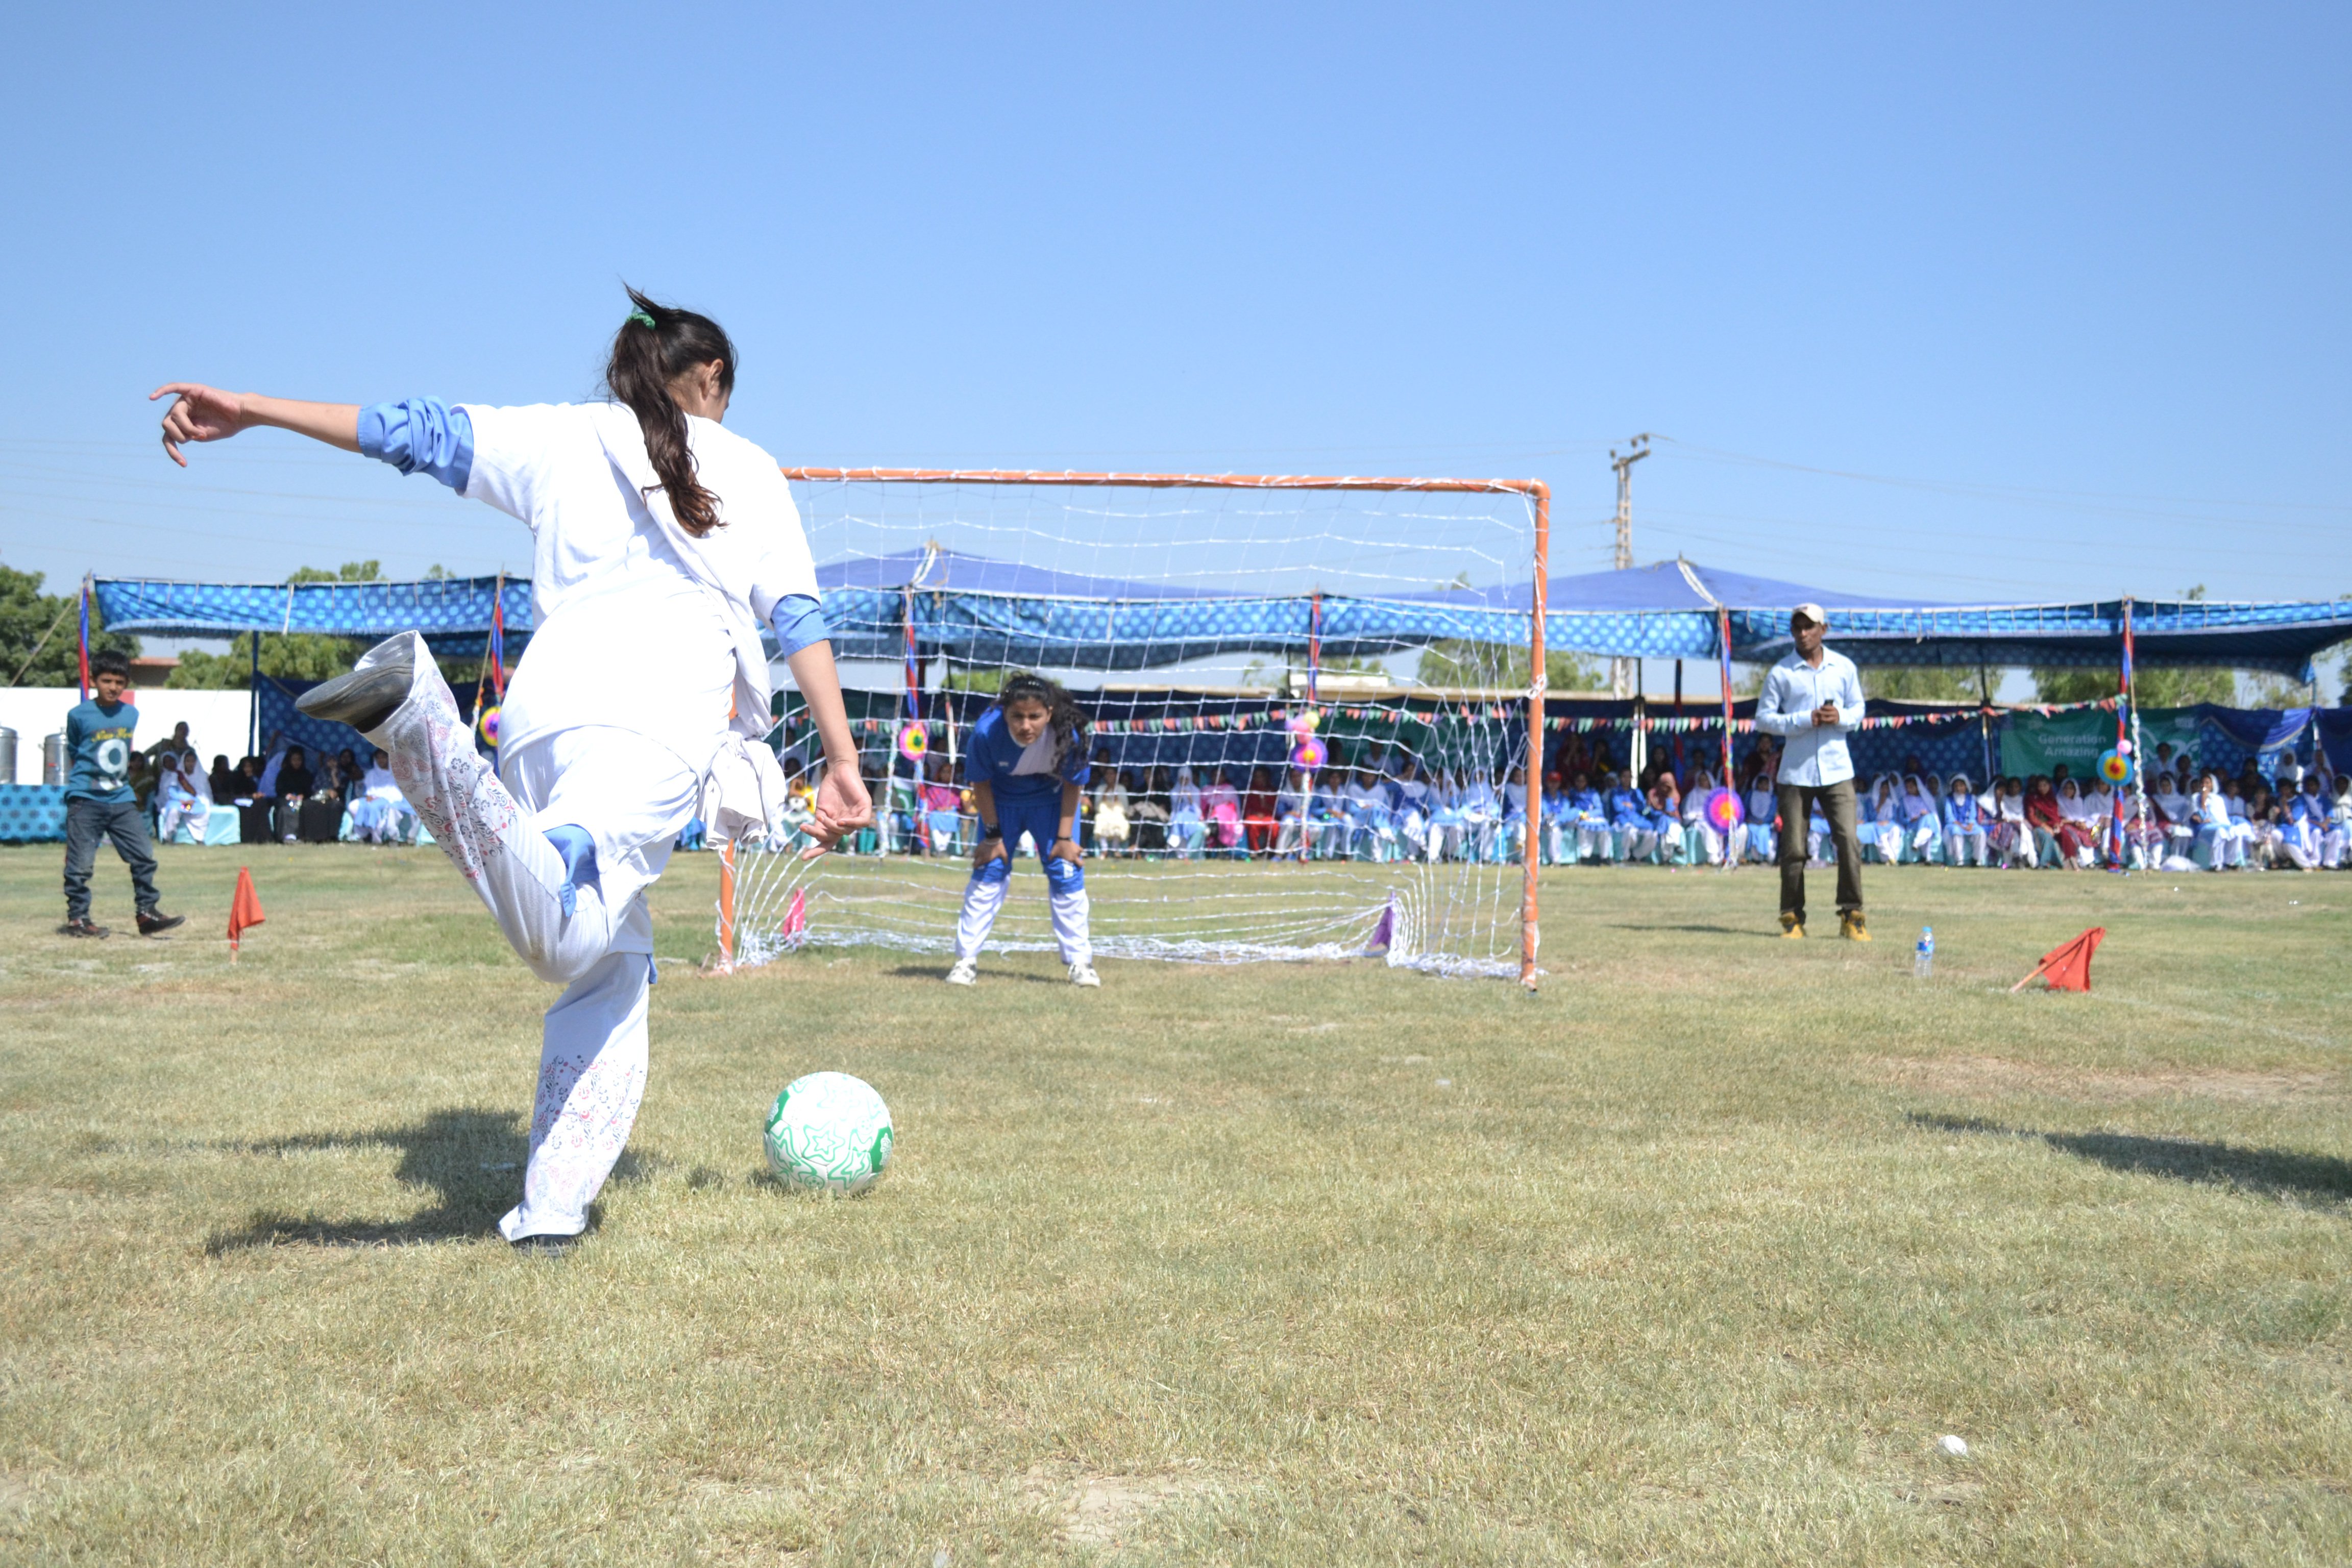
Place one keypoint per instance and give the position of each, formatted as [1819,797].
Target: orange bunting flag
[2068,966]
[243,910]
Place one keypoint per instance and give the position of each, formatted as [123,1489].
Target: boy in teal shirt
[99,803]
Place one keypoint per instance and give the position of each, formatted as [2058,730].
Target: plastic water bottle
[1923,957]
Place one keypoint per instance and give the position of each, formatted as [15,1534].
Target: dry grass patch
[1982,1077]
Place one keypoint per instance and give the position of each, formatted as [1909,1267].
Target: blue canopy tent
[975,610]
[979,611]
[1674,609]
[455,615]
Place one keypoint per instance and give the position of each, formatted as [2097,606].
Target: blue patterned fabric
[32,814]
[453,613]
[2279,636]
[991,612]
[2334,726]
[319,738]
[999,612]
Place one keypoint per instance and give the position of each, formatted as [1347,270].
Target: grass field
[1690,1259]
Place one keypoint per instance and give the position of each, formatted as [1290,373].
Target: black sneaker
[155,923]
[368,695]
[85,926]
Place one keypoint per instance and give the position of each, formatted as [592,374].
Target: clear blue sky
[1972,303]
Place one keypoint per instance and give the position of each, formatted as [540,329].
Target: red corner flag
[244,910]
[2067,967]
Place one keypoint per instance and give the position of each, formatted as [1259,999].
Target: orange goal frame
[1534,489]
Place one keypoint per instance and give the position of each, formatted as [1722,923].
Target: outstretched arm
[841,804]
[207,414]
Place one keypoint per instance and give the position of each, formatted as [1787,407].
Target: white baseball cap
[1813,613]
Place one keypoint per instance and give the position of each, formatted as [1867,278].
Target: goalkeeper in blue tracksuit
[1026,761]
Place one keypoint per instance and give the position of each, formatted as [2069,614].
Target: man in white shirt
[1812,699]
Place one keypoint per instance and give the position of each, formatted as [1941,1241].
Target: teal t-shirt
[98,738]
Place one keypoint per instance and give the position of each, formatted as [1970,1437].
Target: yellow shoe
[1792,928]
[1850,926]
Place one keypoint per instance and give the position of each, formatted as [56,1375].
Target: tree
[1488,666]
[2164,687]
[40,634]
[1918,683]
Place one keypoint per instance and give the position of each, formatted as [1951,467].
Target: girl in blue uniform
[1763,824]
[1026,763]
[1964,823]
[1629,817]
[1923,824]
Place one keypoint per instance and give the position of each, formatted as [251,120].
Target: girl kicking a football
[663,542]
[1026,761]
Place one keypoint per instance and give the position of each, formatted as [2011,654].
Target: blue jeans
[86,822]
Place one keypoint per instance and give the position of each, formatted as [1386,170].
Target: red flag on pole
[243,910]
[2067,967]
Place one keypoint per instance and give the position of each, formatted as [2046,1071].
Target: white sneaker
[965,972]
[1082,973]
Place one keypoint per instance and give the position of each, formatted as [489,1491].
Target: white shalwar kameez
[645,635]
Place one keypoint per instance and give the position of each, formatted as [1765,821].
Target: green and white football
[829,1133]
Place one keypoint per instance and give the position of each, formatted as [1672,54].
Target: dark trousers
[86,822]
[1796,812]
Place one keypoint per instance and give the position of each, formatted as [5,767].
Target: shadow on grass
[470,1159]
[2313,1179]
[938,972]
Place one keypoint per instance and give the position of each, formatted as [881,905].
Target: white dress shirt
[1811,754]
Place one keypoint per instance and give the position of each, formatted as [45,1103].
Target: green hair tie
[641,316]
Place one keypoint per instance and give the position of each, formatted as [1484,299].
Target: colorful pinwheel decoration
[1307,751]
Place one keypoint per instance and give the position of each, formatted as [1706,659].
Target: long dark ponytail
[654,346]
[1069,721]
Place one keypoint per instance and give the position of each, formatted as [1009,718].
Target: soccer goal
[1317,709]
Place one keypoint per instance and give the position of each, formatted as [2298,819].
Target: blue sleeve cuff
[799,621]
[420,434]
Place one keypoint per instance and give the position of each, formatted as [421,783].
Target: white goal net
[1309,704]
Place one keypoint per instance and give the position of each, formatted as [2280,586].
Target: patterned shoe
[1850,926]
[965,972]
[1792,928]
[544,1246]
[1082,973]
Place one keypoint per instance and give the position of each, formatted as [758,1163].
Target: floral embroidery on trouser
[592,1078]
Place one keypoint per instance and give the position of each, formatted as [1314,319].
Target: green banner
[2032,743]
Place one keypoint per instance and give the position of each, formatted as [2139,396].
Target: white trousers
[1962,844]
[632,798]
[1065,900]
[194,812]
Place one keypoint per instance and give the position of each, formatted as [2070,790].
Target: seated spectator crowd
[1385,807]
[280,798]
